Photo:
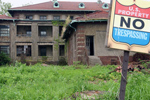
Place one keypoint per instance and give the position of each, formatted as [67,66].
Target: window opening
[45,31]
[24,31]
[105,6]
[81,5]
[42,50]
[45,50]
[25,49]
[56,4]
[71,17]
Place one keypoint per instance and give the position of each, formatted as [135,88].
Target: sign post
[124,75]
[128,30]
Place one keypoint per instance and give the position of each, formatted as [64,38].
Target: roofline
[37,20]
[82,21]
[8,19]
[31,20]
[48,10]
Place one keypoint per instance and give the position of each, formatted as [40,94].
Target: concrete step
[94,60]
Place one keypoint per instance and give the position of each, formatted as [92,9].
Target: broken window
[90,45]
[45,31]
[45,50]
[4,49]
[61,50]
[24,31]
[24,49]
[4,30]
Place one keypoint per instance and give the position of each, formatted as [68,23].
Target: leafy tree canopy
[4,8]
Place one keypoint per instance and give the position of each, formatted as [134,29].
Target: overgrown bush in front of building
[4,59]
[62,61]
[44,58]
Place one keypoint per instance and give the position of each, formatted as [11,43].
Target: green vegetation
[4,8]
[21,82]
[57,23]
[4,59]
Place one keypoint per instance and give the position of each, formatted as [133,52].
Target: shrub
[4,59]
[62,61]
[44,58]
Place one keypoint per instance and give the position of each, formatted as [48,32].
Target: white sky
[17,3]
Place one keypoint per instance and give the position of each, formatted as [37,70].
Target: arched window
[56,4]
[105,6]
[81,5]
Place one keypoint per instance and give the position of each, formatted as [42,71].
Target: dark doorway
[61,50]
[90,45]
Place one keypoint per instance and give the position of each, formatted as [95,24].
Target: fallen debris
[131,67]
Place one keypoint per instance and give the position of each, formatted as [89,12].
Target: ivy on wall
[57,23]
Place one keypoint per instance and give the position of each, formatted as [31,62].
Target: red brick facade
[112,60]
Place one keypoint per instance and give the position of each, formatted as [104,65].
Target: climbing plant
[57,23]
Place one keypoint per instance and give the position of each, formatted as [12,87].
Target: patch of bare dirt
[89,95]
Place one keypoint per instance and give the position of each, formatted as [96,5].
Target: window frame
[56,17]
[29,17]
[4,30]
[23,50]
[5,50]
[43,17]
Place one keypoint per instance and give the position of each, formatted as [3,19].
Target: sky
[18,3]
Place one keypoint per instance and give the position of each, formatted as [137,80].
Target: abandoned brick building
[86,38]
[35,31]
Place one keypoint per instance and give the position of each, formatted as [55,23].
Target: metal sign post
[124,75]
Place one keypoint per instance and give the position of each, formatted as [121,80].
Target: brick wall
[113,60]
[80,42]
[70,51]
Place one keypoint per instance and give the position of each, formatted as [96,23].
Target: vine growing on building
[56,45]
[57,23]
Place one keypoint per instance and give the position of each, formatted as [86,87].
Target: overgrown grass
[21,82]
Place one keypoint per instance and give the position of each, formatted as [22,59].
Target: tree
[4,8]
